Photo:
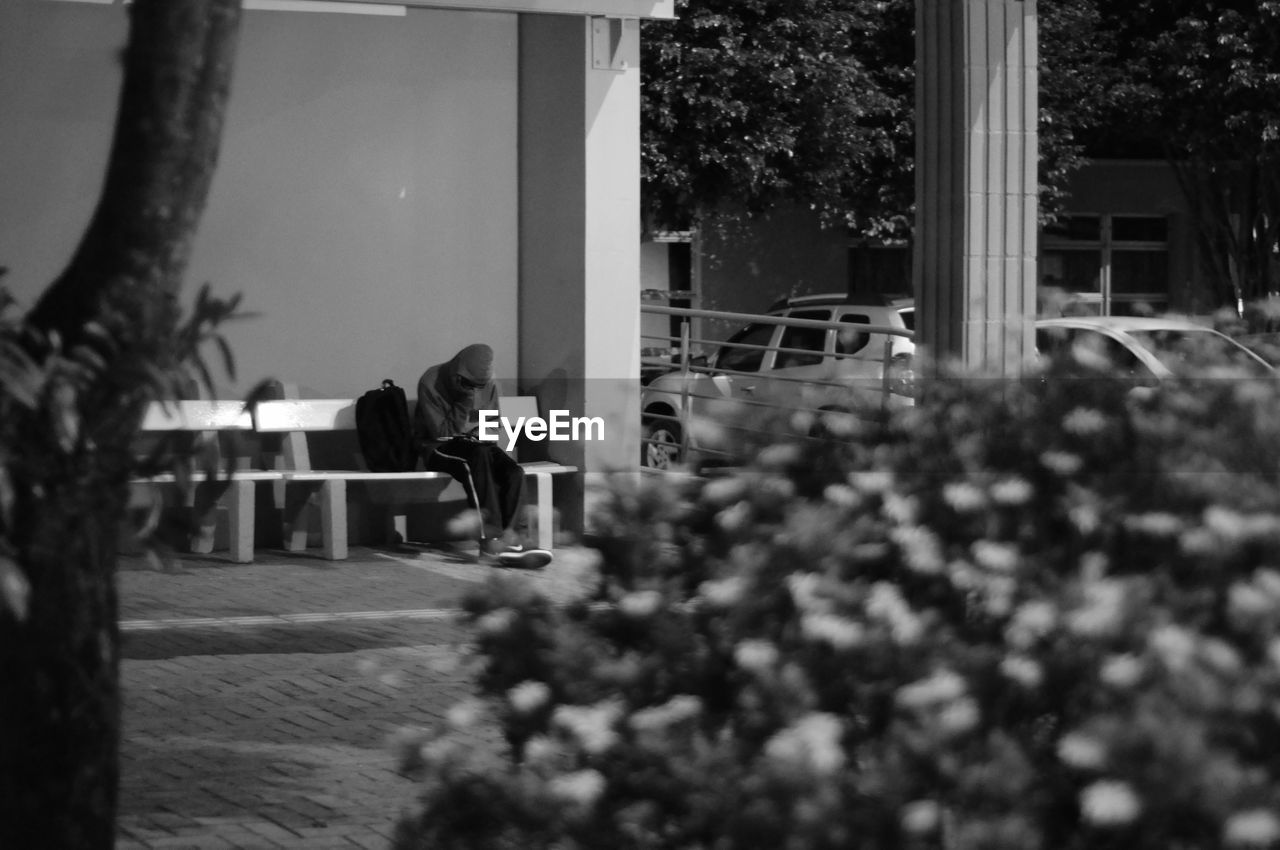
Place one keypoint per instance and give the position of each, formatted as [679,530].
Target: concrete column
[976,154]
[580,229]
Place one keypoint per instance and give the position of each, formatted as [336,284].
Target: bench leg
[239,503]
[333,519]
[544,529]
[202,507]
[297,501]
[240,516]
[396,528]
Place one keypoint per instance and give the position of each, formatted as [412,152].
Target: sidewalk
[259,698]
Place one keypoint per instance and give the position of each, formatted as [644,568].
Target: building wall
[1146,187]
[364,202]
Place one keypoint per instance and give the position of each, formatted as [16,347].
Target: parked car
[822,361]
[1147,349]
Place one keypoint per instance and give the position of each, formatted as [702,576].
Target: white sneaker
[522,558]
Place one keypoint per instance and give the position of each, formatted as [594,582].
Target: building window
[1108,264]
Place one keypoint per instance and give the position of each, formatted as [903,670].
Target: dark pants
[493,481]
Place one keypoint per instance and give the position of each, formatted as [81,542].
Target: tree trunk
[59,695]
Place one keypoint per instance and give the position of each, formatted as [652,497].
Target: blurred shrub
[1042,614]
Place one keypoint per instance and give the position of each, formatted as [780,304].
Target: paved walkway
[259,698]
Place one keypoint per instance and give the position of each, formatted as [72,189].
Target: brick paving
[259,699]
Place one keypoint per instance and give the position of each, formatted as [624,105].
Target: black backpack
[384,430]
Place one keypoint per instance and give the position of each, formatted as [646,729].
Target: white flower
[1063,463]
[541,750]
[497,622]
[1103,612]
[466,714]
[871,482]
[812,744]
[441,751]
[581,567]
[1268,581]
[675,710]
[1084,422]
[779,455]
[1174,645]
[1156,524]
[1109,802]
[529,696]
[723,593]
[921,817]
[839,632]
[842,495]
[1025,671]
[581,789]
[963,497]
[804,587]
[939,688]
[886,603]
[640,604]
[920,548]
[959,716]
[735,518]
[1246,602]
[1221,656]
[1082,751]
[590,725]
[724,491]
[1121,671]
[1227,523]
[1085,518]
[997,557]
[1256,828]
[756,656]
[1031,621]
[1011,491]
[901,509]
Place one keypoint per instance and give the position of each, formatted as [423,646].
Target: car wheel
[661,447]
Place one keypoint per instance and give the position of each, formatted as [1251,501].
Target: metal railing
[688,356]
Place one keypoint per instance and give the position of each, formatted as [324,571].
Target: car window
[1089,346]
[802,346]
[748,359]
[1187,350]
[908,315]
[848,340]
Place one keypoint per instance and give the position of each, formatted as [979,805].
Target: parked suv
[789,361]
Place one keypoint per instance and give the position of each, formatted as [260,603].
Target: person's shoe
[492,546]
[522,558]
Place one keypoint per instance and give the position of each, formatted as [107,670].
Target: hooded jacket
[446,408]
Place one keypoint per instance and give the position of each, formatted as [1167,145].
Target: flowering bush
[1042,614]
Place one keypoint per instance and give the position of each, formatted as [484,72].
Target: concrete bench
[295,418]
[207,493]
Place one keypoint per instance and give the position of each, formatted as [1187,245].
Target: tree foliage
[1203,88]
[749,104]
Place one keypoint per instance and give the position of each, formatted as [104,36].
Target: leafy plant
[1038,614]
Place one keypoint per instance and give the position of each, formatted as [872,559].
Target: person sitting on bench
[445,422]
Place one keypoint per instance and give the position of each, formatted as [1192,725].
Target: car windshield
[1182,349]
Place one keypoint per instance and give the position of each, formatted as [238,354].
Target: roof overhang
[592,8]
[606,8]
